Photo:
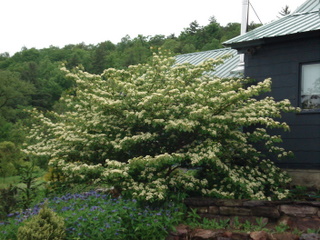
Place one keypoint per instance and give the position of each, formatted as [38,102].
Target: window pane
[310,86]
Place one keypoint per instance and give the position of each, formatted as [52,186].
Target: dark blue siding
[281,61]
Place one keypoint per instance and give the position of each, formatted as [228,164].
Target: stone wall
[304,177]
[296,214]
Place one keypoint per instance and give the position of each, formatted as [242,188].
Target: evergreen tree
[285,11]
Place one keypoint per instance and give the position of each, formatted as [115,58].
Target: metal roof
[308,6]
[305,19]
[223,70]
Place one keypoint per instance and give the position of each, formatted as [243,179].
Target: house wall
[281,62]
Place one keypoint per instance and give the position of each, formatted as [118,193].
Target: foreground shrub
[45,225]
[164,129]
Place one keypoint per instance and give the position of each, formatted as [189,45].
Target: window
[310,86]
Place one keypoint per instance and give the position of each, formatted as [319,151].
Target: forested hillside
[32,77]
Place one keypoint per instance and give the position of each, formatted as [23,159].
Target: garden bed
[184,232]
[301,215]
[228,219]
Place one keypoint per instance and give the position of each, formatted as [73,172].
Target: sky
[44,23]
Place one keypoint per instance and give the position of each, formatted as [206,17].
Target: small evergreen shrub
[46,225]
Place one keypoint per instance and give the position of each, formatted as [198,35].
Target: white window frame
[310,86]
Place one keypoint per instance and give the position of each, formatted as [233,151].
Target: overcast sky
[41,23]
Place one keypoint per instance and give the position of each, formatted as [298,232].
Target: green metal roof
[305,19]
[223,70]
[308,6]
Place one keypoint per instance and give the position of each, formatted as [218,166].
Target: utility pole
[244,29]
[245,16]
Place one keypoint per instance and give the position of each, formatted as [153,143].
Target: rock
[311,203]
[235,211]
[227,234]
[308,223]
[213,210]
[254,203]
[261,235]
[200,234]
[229,202]
[181,233]
[270,212]
[310,236]
[284,236]
[240,236]
[298,210]
[202,209]
[283,202]
[199,202]
[223,238]
[284,220]
[302,224]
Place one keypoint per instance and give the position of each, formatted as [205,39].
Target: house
[288,51]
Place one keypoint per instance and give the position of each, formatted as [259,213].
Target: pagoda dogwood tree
[158,129]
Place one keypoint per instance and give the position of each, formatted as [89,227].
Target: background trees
[31,78]
[10,158]
[14,93]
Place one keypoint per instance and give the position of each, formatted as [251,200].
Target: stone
[308,223]
[270,212]
[254,203]
[284,220]
[213,210]
[260,235]
[284,236]
[223,238]
[199,202]
[310,236]
[302,224]
[298,210]
[229,202]
[240,236]
[199,234]
[310,203]
[315,204]
[202,210]
[181,233]
[227,234]
[282,202]
[235,211]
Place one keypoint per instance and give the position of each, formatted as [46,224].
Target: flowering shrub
[159,128]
